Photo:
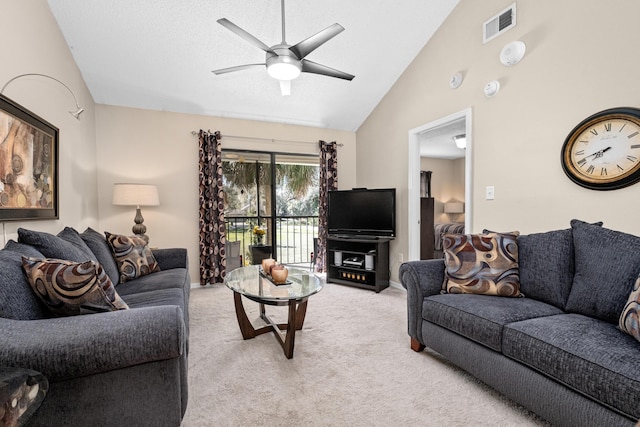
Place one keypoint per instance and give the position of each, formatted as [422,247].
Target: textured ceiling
[158,54]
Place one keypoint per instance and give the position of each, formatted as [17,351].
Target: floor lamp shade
[136,195]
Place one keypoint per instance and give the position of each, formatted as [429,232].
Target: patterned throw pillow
[629,322]
[133,256]
[484,264]
[70,288]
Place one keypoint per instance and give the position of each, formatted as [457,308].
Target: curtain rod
[255,138]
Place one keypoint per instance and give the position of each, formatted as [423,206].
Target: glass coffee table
[252,284]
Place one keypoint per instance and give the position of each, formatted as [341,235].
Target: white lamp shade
[135,195]
[454,207]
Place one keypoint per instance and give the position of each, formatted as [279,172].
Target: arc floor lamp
[75,113]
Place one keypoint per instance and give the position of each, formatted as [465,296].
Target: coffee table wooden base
[285,333]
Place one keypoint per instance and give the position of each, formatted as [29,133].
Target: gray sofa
[558,351]
[115,368]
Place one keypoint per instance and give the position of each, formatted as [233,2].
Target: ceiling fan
[285,62]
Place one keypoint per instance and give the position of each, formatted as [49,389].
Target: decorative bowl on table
[279,273]
[267,263]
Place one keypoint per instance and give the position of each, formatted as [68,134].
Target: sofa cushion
[587,354]
[481,264]
[631,313]
[72,236]
[55,246]
[175,278]
[546,266]
[101,249]
[23,249]
[17,300]
[69,288]
[607,263]
[156,298]
[482,317]
[132,255]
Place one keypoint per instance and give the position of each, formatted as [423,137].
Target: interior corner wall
[580,59]
[156,147]
[33,43]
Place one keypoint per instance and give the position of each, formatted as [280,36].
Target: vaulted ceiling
[159,54]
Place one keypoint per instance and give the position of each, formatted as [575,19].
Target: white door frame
[414,178]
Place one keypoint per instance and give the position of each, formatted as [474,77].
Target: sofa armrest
[421,279]
[169,258]
[75,346]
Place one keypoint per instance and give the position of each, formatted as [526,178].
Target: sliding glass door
[276,192]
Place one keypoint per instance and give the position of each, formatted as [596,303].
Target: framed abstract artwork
[28,164]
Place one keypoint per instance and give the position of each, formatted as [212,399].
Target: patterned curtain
[328,181]
[212,229]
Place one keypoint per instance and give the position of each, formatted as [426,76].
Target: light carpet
[352,366]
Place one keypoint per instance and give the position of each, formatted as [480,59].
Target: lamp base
[140,229]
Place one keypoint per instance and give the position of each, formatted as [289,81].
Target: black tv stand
[352,268]
[355,236]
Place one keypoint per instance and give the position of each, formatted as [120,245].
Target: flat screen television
[362,212]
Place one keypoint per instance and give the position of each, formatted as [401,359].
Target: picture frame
[28,164]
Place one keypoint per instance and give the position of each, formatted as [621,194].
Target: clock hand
[598,154]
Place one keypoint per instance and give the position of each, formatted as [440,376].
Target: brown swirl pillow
[70,288]
[133,256]
[629,319]
[484,264]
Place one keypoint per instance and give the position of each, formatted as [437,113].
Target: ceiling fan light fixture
[281,70]
[285,62]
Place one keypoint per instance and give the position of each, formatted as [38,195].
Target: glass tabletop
[250,282]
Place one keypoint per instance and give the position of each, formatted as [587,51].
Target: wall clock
[603,151]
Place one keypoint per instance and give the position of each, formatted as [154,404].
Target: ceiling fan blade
[312,67]
[237,68]
[307,46]
[245,35]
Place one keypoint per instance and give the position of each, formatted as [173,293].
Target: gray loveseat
[115,368]
[558,350]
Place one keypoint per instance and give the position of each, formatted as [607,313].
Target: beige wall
[447,185]
[156,147]
[32,43]
[580,60]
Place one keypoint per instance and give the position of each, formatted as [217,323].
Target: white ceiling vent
[500,23]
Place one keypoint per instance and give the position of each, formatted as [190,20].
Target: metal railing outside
[294,236]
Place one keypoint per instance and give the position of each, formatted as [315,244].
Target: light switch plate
[491,192]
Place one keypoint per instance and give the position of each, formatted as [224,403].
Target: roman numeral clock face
[603,151]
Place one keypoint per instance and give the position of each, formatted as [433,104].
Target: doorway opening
[425,135]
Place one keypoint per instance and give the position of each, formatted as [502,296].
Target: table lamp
[136,195]
[454,208]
